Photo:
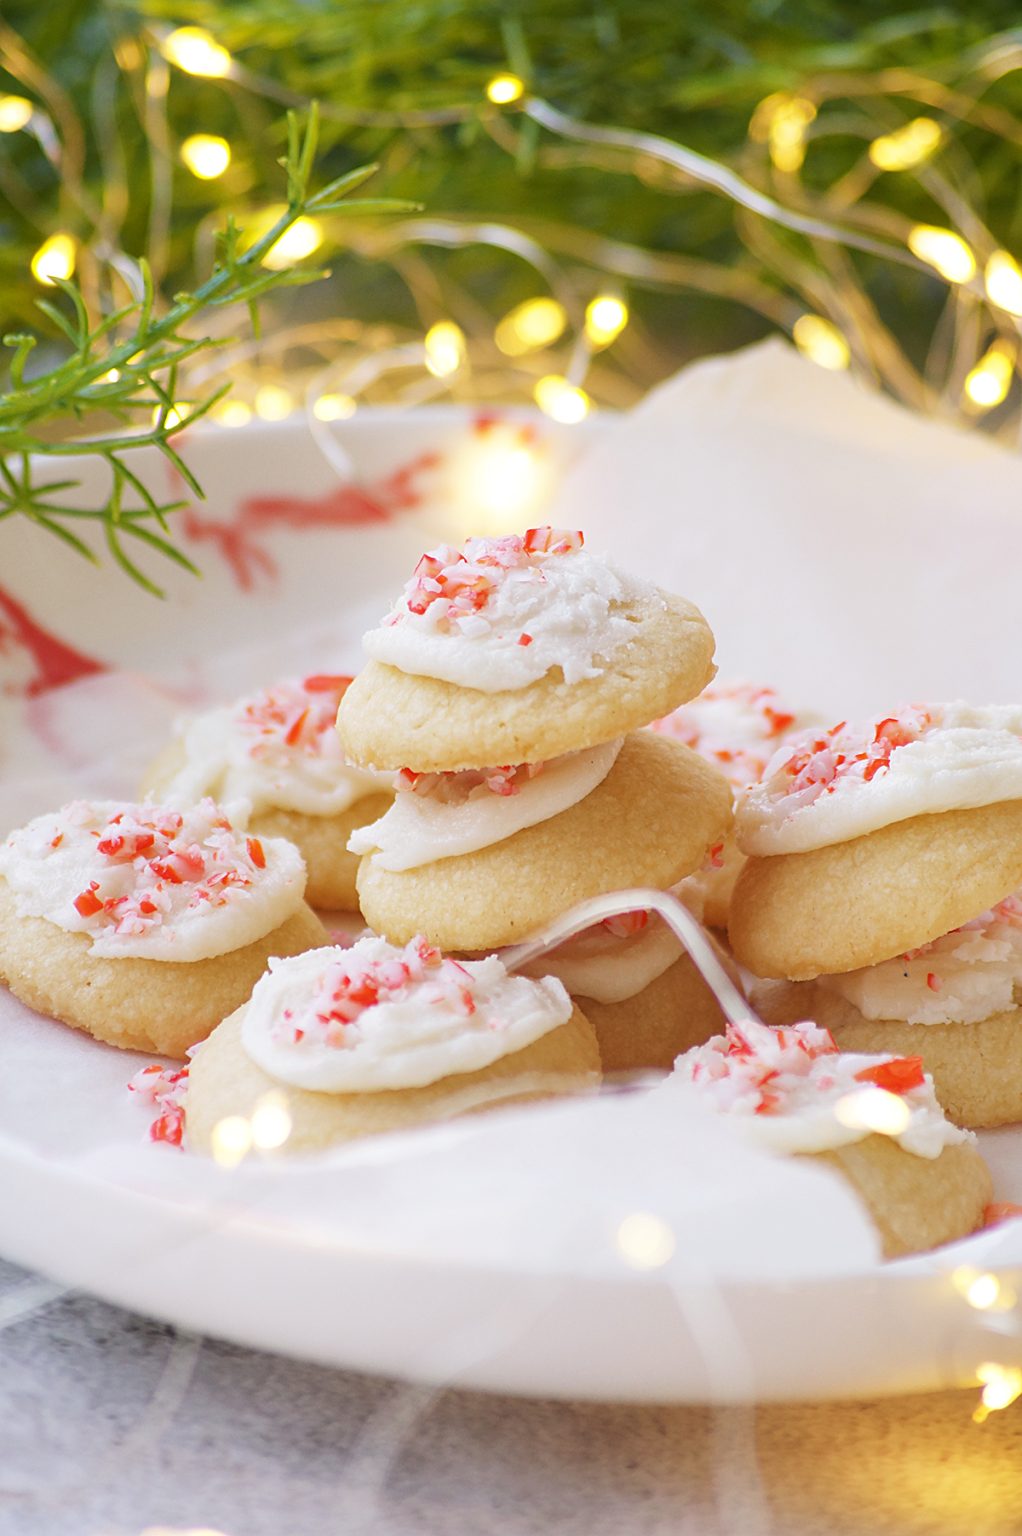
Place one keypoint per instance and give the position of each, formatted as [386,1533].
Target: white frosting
[541,612]
[611,967]
[784,1088]
[962,978]
[453,813]
[828,787]
[311,1020]
[275,748]
[735,726]
[149,882]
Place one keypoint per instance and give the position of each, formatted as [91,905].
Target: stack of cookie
[882,894]
[507,688]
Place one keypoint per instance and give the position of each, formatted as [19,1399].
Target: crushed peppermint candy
[163,1090]
[378,1016]
[461,583]
[498,614]
[295,716]
[826,787]
[277,748]
[815,763]
[454,788]
[151,880]
[787,1085]
[350,984]
[737,727]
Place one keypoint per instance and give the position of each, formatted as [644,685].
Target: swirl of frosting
[152,882]
[441,815]
[375,1017]
[502,613]
[274,748]
[828,787]
[791,1090]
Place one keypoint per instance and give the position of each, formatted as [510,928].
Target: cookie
[790,1090]
[138,1005]
[651,1029]
[638,988]
[394,1039]
[647,823]
[322,842]
[976,1067]
[278,750]
[143,925]
[855,903]
[451,687]
[915,1204]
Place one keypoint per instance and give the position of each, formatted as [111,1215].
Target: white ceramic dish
[289,1259]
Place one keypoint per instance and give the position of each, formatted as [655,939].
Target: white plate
[372,1263]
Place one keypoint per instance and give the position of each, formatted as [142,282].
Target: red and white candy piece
[463,581]
[351,984]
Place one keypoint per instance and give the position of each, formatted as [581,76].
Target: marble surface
[111,1425]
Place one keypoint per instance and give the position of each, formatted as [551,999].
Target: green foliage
[127,365]
[402,83]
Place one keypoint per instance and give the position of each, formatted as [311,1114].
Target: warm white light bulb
[298,241]
[822,342]
[606,318]
[943,250]
[197,52]
[55,258]
[1003,281]
[561,400]
[15,112]
[503,89]
[445,348]
[206,155]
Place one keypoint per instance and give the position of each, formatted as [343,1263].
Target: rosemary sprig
[129,364]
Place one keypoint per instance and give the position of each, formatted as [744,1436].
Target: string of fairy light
[558,348]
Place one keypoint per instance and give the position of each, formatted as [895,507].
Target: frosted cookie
[278,750]
[374,1038]
[145,926]
[952,1002]
[518,650]
[789,1090]
[737,727]
[639,990]
[647,821]
[868,842]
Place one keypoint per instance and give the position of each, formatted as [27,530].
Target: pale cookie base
[224,1081]
[163,1006]
[392,719]
[800,915]
[976,1068]
[916,1202]
[649,823]
[322,841]
[675,1012]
